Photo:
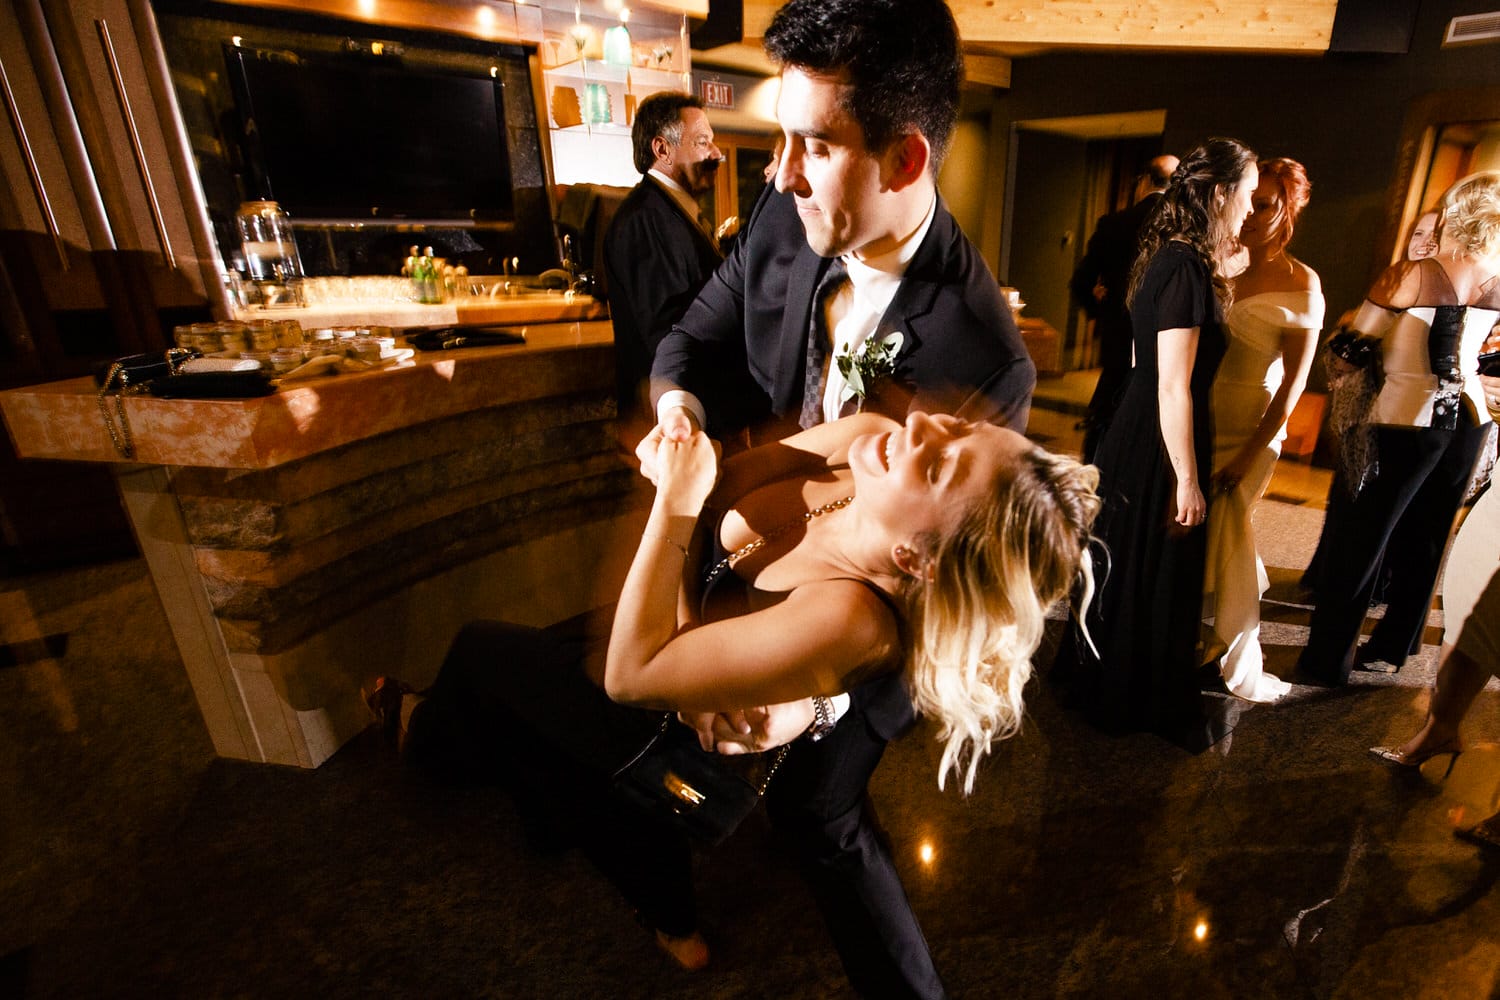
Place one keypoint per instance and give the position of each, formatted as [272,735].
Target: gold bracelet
[663,538]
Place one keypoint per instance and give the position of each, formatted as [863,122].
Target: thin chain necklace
[752,546]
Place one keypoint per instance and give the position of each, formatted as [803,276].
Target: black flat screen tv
[336,137]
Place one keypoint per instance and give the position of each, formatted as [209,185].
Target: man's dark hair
[658,115]
[900,57]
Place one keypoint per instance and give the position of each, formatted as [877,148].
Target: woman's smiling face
[919,478]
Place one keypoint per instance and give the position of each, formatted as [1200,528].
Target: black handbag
[134,373]
[1352,346]
[706,795]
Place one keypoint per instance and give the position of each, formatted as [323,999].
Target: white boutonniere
[875,360]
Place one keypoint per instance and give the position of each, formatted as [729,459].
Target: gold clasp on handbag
[683,791]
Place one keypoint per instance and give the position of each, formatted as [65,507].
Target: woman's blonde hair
[1470,213]
[979,615]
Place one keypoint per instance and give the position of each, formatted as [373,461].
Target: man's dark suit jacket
[741,347]
[656,259]
[1107,261]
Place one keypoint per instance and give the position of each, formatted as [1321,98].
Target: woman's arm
[808,644]
[821,640]
[1175,350]
[1298,348]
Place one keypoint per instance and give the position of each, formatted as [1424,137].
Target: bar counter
[345,527]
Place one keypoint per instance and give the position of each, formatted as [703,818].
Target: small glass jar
[233,337]
[363,349]
[289,334]
[205,338]
[285,359]
[323,342]
[263,337]
[262,358]
[183,336]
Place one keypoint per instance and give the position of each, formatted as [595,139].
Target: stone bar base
[343,528]
[299,704]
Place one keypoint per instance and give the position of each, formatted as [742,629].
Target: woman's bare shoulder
[1397,286]
[1304,278]
[865,617]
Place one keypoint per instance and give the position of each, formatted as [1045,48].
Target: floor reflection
[1287,863]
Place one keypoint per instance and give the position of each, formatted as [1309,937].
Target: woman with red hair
[1273,327]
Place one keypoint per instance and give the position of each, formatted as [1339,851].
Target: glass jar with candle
[270,248]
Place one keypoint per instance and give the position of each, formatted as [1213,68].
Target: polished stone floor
[1285,863]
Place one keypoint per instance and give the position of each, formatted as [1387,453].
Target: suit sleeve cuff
[680,397]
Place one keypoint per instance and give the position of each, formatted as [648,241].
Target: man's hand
[753,729]
[678,424]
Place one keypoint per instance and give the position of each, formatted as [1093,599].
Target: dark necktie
[819,343]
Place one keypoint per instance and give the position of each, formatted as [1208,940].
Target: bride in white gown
[1273,328]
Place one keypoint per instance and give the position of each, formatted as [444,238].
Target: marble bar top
[539,307]
[62,420]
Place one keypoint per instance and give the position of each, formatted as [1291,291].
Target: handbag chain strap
[118,425]
[118,379]
[765,782]
[719,567]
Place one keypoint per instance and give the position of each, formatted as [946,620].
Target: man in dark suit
[869,96]
[657,255]
[1100,284]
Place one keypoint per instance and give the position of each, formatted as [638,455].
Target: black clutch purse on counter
[453,338]
[706,795]
[169,376]
[212,385]
[134,371]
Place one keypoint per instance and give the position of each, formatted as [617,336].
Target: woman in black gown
[1133,666]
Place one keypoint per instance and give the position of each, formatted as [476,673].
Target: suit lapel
[675,206]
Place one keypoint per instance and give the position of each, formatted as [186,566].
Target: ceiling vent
[1473,28]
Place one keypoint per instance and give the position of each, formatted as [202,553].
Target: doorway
[1065,173]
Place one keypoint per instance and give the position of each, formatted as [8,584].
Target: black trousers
[820,807]
[1423,474]
[512,706]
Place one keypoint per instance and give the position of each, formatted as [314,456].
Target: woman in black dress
[1133,663]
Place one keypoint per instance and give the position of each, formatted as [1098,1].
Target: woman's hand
[686,472]
[1490,384]
[1189,504]
[1233,472]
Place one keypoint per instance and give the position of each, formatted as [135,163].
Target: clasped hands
[750,730]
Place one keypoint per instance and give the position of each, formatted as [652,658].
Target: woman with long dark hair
[1133,662]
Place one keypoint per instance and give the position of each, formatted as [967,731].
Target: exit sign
[716,93]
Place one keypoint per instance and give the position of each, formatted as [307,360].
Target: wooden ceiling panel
[1014,27]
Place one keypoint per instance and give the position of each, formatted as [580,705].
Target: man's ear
[661,149]
[909,560]
[911,155]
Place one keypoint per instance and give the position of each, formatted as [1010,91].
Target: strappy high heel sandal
[1396,757]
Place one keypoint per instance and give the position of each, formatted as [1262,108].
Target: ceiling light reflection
[1200,930]
[926,852]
